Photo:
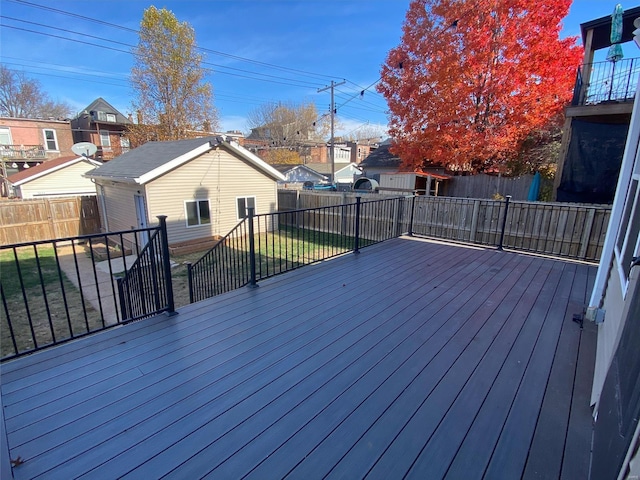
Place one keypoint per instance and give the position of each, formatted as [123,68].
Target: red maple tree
[471,79]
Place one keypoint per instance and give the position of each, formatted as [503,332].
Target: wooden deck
[413,358]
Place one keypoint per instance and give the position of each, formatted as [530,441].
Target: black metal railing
[146,289]
[22,152]
[265,245]
[607,82]
[53,291]
[224,267]
[559,229]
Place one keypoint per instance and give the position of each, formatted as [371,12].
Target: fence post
[413,209]
[124,310]
[166,263]
[356,240]
[190,281]
[586,234]
[252,250]
[504,221]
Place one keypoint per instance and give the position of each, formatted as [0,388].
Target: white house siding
[345,174]
[401,181]
[120,206]
[64,182]
[608,332]
[218,176]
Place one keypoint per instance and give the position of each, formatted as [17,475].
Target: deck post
[190,280]
[252,249]
[504,221]
[166,263]
[356,240]
[413,209]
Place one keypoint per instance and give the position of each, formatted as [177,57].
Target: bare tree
[368,134]
[287,124]
[173,99]
[22,97]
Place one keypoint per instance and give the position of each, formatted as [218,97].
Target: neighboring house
[381,160]
[597,120]
[322,154]
[203,185]
[343,173]
[61,177]
[34,140]
[297,175]
[26,142]
[615,305]
[360,151]
[104,126]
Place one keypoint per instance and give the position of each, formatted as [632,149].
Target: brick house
[104,126]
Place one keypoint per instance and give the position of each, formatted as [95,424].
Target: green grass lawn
[277,252]
[35,276]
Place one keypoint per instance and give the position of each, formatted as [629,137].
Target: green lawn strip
[56,293]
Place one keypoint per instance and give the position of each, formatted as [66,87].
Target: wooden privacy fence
[48,218]
[559,229]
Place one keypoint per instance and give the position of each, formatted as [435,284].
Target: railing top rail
[220,242]
[363,199]
[78,237]
[609,62]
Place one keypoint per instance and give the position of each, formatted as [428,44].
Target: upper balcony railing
[22,152]
[605,82]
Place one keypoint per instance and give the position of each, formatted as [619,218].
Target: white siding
[608,332]
[218,176]
[64,182]
[120,206]
[401,181]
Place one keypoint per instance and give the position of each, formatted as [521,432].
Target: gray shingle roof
[148,157]
[381,157]
[100,104]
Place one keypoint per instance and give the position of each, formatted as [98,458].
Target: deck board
[413,357]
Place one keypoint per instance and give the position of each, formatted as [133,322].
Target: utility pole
[333,112]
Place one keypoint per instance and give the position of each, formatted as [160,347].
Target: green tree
[173,100]
[22,97]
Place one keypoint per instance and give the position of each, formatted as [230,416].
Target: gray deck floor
[414,359]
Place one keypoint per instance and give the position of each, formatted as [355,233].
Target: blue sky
[288,48]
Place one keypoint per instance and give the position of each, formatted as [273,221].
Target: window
[244,203]
[5,136]
[197,212]
[124,144]
[105,141]
[111,117]
[50,140]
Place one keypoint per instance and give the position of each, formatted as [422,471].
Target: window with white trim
[197,212]
[243,203]
[5,136]
[50,139]
[105,140]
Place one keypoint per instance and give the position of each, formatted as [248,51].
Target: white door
[141,215]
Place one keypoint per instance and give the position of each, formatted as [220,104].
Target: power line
[215,52]
[300,83]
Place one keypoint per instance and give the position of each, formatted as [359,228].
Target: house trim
[624,180]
